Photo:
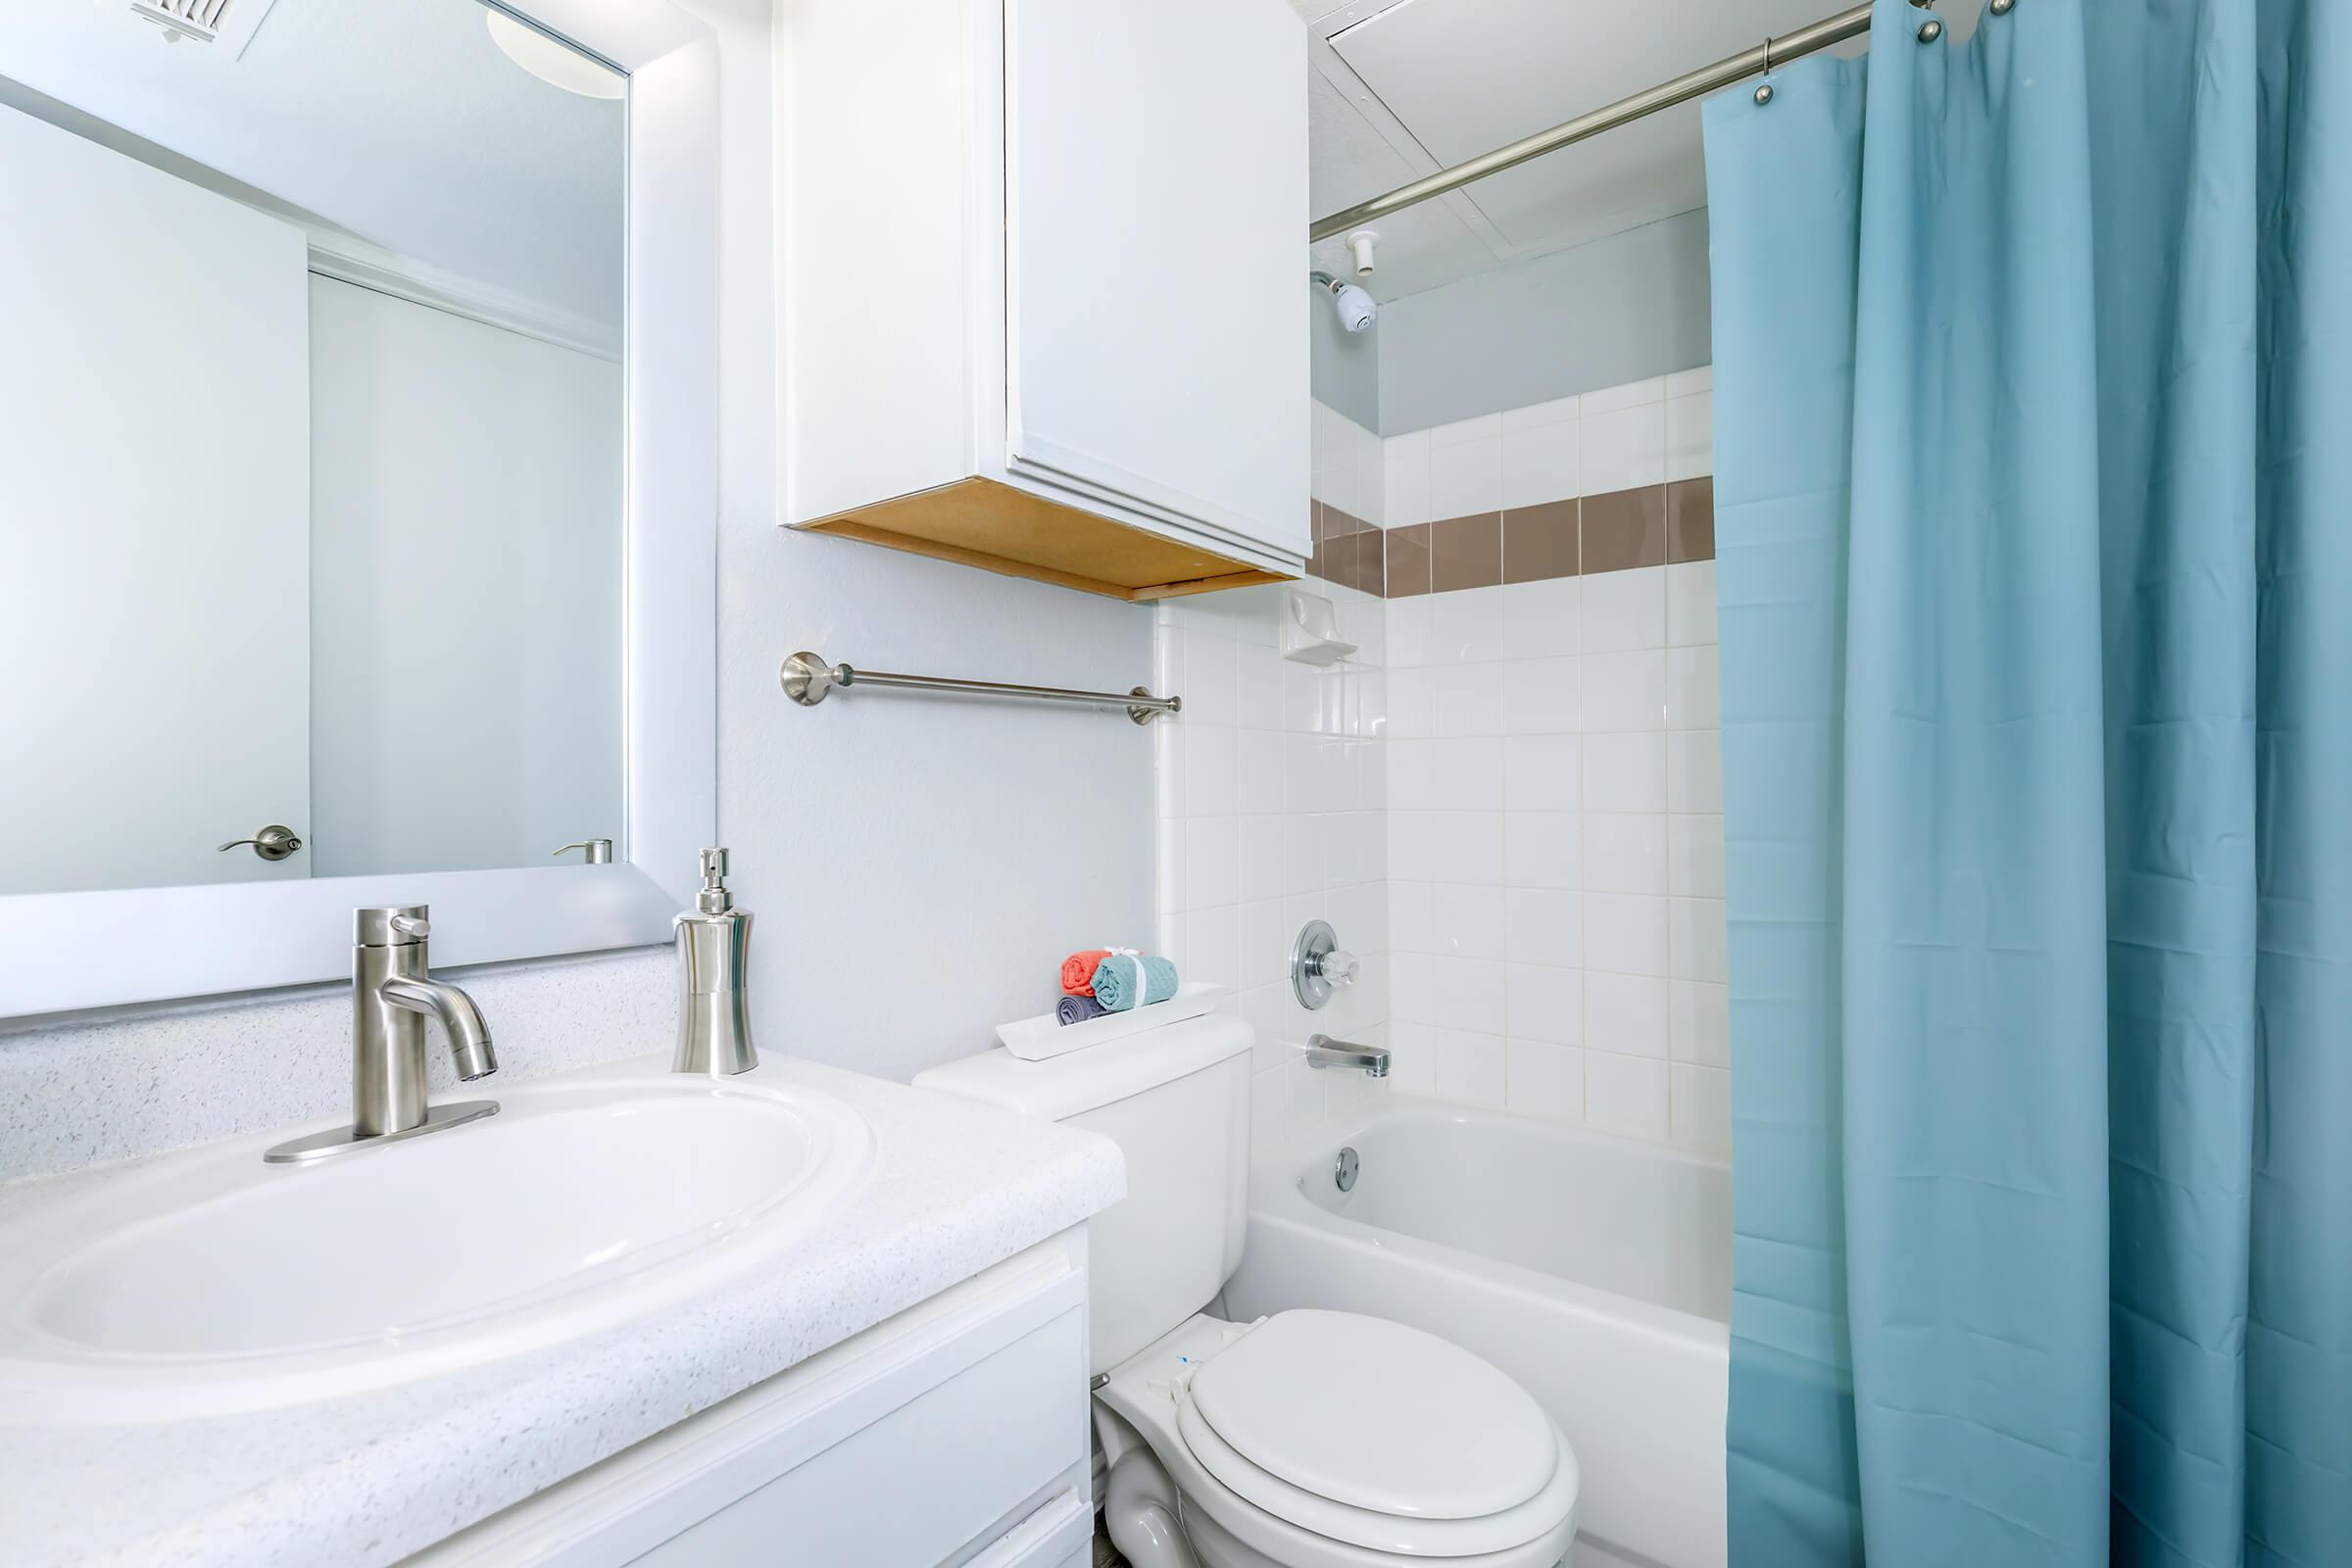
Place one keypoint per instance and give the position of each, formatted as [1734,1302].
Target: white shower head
[1356,307]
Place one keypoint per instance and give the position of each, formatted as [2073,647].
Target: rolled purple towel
[1077,1010]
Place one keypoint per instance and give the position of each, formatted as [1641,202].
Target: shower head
[1356,307]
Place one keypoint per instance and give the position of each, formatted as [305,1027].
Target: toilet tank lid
[1080,1080]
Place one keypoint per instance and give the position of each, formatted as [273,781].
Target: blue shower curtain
[2034,496]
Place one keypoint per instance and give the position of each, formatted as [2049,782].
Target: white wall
[1346,378]
[918,868]
[465,590]
[1599,314]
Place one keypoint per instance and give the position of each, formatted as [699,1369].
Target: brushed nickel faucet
[1324,1051]
[392,994]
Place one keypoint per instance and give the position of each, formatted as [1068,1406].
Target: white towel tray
[1036,1039]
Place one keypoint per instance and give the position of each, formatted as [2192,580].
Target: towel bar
[806,678]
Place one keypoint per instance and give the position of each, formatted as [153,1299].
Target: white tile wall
[1509,802]
[1349,466]
[1272,804]
[1404,472]
[1624,445]
[1465,466]
[1554,792]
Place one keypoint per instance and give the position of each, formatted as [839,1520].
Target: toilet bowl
[1328,1440]
[1305,1439]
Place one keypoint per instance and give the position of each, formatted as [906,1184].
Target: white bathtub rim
[1399,1106]
[1278,1201]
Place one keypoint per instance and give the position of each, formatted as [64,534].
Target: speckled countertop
[372,1478]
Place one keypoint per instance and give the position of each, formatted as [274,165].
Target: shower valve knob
[1319,965]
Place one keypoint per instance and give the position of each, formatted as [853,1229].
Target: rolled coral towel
[1078,971]
[1077,1010]
[1124,981]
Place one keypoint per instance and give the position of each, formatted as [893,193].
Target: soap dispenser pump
[715,938]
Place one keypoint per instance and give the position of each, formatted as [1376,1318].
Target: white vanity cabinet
[1043,303]
[955,1434]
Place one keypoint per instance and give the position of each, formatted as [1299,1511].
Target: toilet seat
[1376,1416]
[1359,1406]
[1438,1539]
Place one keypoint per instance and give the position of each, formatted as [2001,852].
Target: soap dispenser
[715,938]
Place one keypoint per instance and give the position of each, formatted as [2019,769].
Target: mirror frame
[70,950]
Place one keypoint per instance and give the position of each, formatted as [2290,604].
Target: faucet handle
[398,926]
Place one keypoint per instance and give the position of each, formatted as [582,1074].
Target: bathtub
[1596,1270]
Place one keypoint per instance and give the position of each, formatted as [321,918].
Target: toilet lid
[1377,1416]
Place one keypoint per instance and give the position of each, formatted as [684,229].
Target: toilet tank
[1176,1101]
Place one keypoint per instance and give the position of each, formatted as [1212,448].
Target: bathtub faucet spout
[1324,1051]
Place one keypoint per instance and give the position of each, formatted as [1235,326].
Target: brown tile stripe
[1348,551]
[1371,562]
[1691,520]
[1465,552]
[1653,525]
[1408,561]
[1625,530]
[1539,542]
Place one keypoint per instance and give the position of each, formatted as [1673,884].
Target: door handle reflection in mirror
[272,843]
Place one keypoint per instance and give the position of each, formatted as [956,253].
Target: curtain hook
[2002,8]
[1764,88]
[1930,30]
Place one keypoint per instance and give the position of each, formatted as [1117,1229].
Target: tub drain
[1342,1170]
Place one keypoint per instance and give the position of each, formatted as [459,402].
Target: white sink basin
[208,1281]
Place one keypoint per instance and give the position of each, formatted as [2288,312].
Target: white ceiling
[400,123]
[1402,88]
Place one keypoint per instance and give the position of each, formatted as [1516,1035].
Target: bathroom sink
[208,1281]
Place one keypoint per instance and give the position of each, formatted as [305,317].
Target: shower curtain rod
[1848,23]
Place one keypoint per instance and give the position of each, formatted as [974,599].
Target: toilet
[1304,1440]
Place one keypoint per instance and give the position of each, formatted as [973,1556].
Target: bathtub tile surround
[1552,825]
[1555,797]
[1272,794]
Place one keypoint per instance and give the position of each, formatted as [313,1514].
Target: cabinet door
[1155,195]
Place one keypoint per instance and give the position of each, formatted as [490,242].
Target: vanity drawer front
[924,1483]
[1057,1534]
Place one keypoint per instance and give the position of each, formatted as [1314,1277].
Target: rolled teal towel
[1124,982]
[1077,1010]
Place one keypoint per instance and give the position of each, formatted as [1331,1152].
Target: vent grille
[201,20]
[230,23]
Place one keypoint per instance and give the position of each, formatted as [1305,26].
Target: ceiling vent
[229,25]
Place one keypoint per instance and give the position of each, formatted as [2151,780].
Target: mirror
[313,443]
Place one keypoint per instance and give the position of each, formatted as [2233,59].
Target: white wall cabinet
[1043,306]
[956,1433]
